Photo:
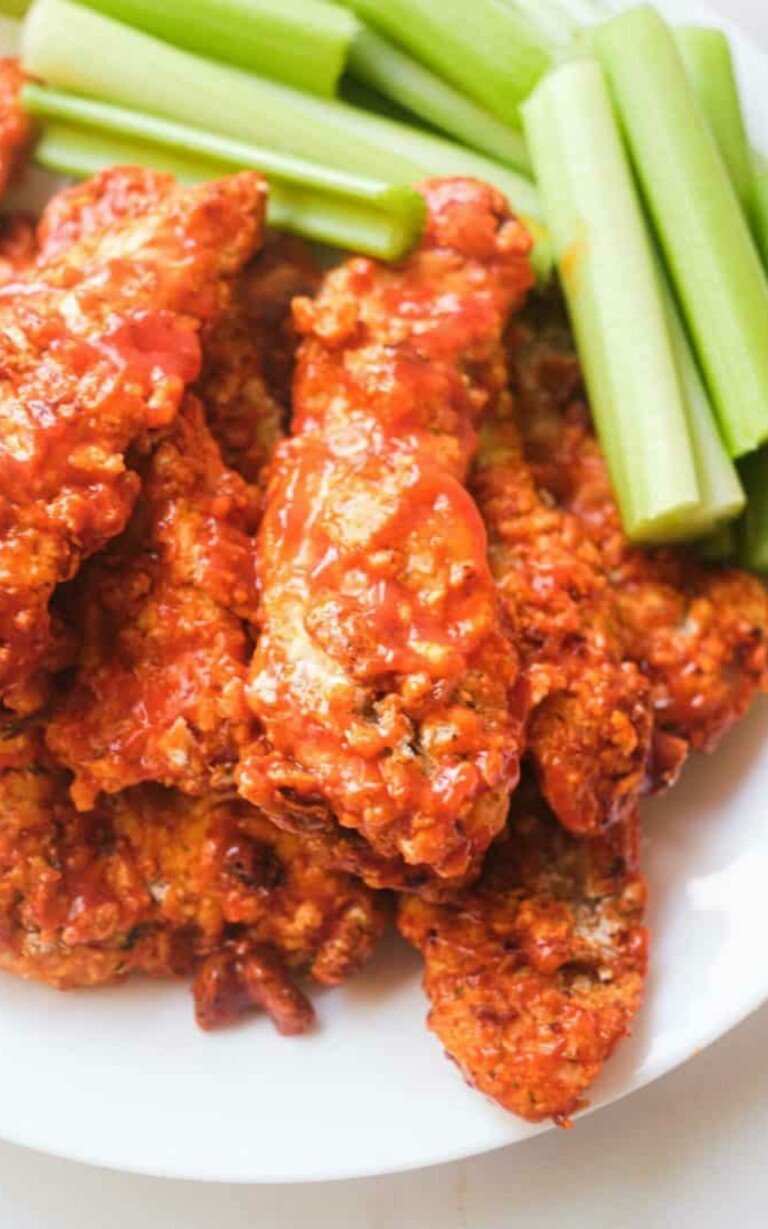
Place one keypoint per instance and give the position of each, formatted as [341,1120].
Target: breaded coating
[97,344]
[248,356]
[154,883]
[591,719]
[159,690]
[384,683]
[536,974]
[15,126]
[698,632]
[84,210]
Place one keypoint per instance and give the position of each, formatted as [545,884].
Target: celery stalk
[708,61]
[383,66]
[722,496]
[607,267]
[14,8]
[489,51]
[347,222]
[753,529]
[136,71]
[302,42]
[708,246]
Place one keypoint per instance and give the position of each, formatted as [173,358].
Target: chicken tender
[385,686]
[698,632]
[98,341]
[248,356]
[159,691]
[591,719]
[536,974]
[154,883]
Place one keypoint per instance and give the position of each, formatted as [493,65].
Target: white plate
[122,1077]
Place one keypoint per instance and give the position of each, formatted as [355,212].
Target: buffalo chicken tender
[248,356]
[151,882]
[159,688]
[591,722]
[698,632]
[98,341]
[536,974]
[384,684]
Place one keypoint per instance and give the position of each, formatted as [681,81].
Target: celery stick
[134,70]
[753,529]
[721,493]
[14,8]
[714,264]
[708,61]
[395,74]
[302,42]
[345,222]
[607,267]
[486,49]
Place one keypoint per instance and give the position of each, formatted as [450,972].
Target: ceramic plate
[123,1078]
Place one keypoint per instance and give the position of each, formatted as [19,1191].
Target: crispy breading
[97,343]
[698,632]
[536,974]
[159,689]
[591,719]
[383,680]
[15,126]
[248,356]
[154,883]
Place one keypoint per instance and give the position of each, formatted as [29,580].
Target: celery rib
[392,72]
[486,49]
[381,221]
[753,528]
[609,276]
[708,61]
[707,243]
[304,43]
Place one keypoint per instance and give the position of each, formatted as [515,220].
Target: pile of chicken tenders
[316,612]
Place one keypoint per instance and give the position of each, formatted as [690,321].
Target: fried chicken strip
[382,679]
[591,719]
[97,343]
[248,357]
[159,692]
[698,632]
[536,974]
[154,883]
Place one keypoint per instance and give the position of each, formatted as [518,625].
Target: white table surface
[691,1150]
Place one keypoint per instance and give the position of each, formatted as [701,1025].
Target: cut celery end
[304,43]
[606,263]
[709,249]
